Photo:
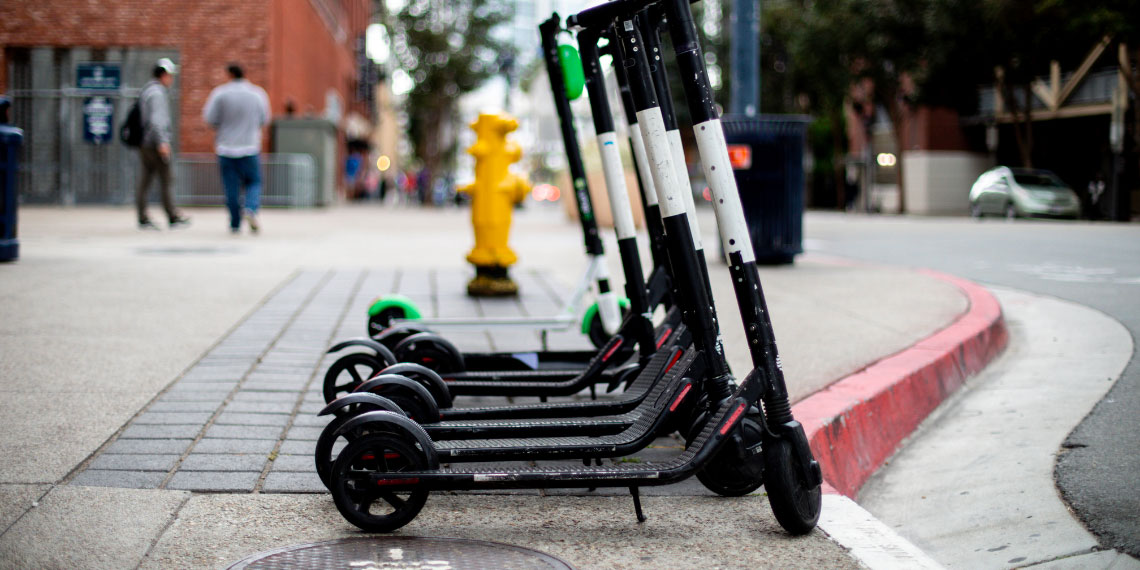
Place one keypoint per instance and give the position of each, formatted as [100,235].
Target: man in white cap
[154,152]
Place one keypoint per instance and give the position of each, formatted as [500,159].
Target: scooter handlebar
[602,15]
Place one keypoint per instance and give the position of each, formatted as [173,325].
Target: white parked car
[1015,192]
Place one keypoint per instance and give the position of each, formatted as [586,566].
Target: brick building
[303,52]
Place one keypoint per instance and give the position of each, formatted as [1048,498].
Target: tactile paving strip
[243,418]
[402,552]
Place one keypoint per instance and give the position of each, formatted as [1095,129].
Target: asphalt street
[1097,265]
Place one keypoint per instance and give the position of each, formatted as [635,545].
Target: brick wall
[313,52]
[285,46]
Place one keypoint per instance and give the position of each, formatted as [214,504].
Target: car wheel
[975,210]
[1010,211]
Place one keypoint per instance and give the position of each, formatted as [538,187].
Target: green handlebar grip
[572,74]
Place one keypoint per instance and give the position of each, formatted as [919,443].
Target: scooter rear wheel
[371,507]
[348,372]
[795,504]
[729,473]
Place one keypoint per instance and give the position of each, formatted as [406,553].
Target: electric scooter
[382,480]
[639,399]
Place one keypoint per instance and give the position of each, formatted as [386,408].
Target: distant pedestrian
[155,152]
[1096,190]
[238,110]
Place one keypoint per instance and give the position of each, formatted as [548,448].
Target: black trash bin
[767,155]
[10,140]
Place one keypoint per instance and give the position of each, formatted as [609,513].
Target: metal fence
[287,180]
[61,164]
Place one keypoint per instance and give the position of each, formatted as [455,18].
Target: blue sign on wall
[98,76]
[98,119]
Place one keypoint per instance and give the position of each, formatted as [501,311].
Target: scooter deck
[695,456]
[646,393]
[569,362]
[629,399]
[549,382]
[672,390]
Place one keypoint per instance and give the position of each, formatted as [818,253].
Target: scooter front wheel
[323,451]
[383,319]
[391,336]
[372,507]
[795,502]
[430,350]
[348,372]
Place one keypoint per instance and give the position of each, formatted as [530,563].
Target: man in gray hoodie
[155,153]
[238,110]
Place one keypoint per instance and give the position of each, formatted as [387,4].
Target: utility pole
[744,98]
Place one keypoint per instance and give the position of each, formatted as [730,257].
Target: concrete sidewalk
[158,388]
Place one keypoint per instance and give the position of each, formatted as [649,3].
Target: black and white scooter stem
[730,214]
[608,308]
[691,285]
[640,162]
[649,21]
[615,184]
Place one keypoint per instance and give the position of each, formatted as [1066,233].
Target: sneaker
[148,226]
[251,217]
[235,231]
[179,222]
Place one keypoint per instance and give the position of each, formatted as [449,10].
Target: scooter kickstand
[637,504]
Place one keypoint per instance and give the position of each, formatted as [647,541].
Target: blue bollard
[10,140]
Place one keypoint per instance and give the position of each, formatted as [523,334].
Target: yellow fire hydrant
[494,194]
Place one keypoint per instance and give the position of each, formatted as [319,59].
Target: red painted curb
[855,424]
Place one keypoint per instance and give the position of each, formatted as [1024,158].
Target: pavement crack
[169,523]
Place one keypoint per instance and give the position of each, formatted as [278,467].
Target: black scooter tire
[795,505]
[427,377]
[345,374]
[383,319]
[355,497]
[323,452]
[408,401]
[393,335]
[432,351]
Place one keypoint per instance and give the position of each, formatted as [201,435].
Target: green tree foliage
[448,48]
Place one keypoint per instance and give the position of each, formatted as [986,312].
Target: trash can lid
[10,134]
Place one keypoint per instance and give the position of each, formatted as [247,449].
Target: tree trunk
[1021,130]
[429,147]
[839,158]
[1027,149]
[1133,80]
[895,111]
[894,107]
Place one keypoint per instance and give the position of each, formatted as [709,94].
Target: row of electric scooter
[397,435]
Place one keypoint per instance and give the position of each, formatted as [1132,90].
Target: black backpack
[131,133]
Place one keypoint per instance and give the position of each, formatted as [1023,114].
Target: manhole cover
[402,552]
